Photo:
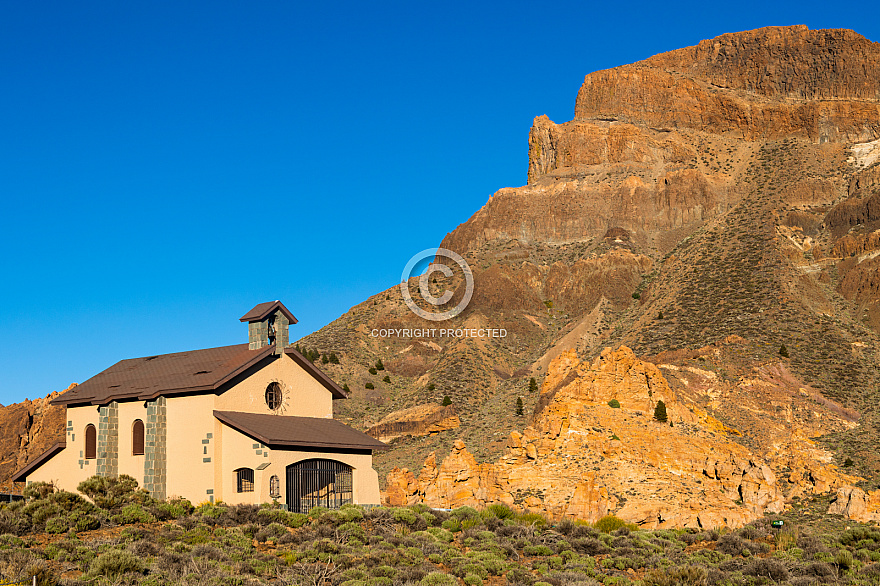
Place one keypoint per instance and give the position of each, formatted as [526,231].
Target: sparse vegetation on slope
[417,546]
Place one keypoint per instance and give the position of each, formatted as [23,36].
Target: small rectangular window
[245,479]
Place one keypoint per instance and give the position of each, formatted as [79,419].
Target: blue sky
[164,166]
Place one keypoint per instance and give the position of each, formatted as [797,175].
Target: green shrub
[171,510]
[501,511]
[441,533]
[116,562]
[58,524]
[452,524]
[843,559]
[476,569]
[610,523]
[686,576]
[41,510]
[465,512]
[492,562]
[352,530]
[351,513]
[473,580]
[111,493]
[383,572]
[471,523]
[438,579]
[38,490]
[614,404]
[537,550]
[132,514]
[533,519]
[70,502]
[210,511]
[404,515]
[446,400]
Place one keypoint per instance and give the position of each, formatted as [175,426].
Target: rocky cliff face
[28,429]
[584,458]
[427,419]
[724,191]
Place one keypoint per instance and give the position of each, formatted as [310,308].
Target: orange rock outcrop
[583,458]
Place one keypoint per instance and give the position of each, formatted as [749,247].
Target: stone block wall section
[282,332]
[156,449]
[108,440]
[258,334]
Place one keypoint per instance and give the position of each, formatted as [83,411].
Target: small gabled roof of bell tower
[262,310]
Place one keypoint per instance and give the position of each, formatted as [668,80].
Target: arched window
[91,442]
[137,438]
[244,478]
[274,487]
[274,396]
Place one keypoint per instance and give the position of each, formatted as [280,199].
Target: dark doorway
[318,483]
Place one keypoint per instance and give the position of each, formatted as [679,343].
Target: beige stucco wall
[64,468]
[190,447]
[240,451]
[303,396]
[128,462]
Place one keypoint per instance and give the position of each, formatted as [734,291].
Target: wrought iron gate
[318,483]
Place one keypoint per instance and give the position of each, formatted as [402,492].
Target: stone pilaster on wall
[156,449]
[108,440]
[282,332]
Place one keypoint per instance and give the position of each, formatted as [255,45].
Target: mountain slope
[727,189]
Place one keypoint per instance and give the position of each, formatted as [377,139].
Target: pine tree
[519,406]
[660,412]
[379,365]
[324,359]
[446,401]
[345,388]
[333,358]
[387,379]
[372,370]
[431,387]
[783,351]
[533,385]
[660,315]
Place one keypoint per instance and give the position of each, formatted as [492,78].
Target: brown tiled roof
[166,374]
[304,432]
[261,310]
[22,474]
[316,373]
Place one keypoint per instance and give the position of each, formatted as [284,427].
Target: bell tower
[269,323]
